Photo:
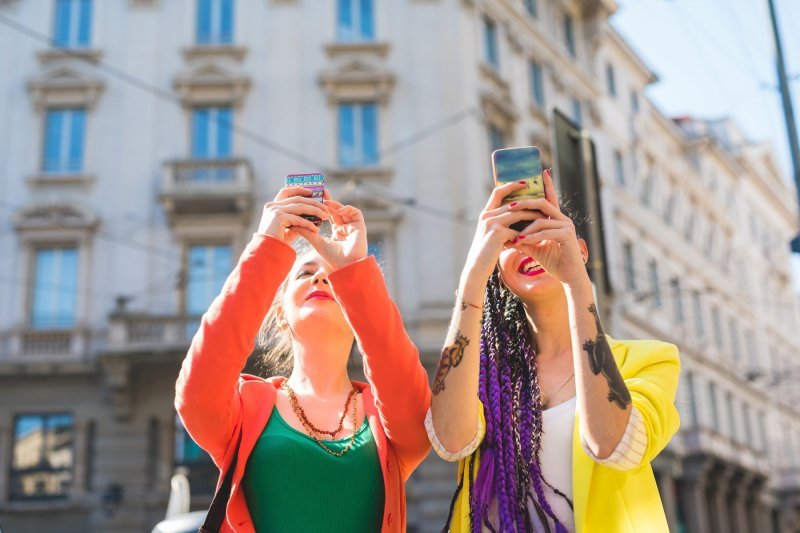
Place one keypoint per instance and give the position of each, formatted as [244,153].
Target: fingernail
[512,204]
[522,182]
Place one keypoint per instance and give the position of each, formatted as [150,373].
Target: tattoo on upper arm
[452,354]
[601,360]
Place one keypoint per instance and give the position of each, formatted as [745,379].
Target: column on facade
[80,466]
[717,487]
[166,452]
[693,493]
[666,465]
[6,446]
[739,492]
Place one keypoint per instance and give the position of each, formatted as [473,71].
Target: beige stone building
[141,138]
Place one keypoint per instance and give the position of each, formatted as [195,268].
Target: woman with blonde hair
[316,452]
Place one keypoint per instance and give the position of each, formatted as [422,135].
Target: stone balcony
[207,187]
[138,339]
[30,350]
[46,344]
[142,334]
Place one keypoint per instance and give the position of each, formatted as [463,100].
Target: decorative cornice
[51,55]
[65,86]
[369,48]
[55,216]
[365,174]
[211,82]
[194,53]
[357,80]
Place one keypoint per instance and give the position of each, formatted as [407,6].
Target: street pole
[788,111]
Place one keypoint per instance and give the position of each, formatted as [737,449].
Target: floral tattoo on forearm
[601,360]
[452,355]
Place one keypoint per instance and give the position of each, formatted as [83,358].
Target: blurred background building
[141,138]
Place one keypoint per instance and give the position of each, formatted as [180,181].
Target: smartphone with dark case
[315,182]
[519,164]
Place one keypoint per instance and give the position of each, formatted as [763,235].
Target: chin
[320,318]
[522,285]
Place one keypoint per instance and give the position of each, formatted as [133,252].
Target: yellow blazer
[608,500]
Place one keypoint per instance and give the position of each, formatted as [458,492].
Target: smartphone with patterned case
[315,182]
[519,164]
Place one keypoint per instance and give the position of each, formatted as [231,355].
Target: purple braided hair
[509,391]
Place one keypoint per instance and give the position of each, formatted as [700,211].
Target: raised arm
[391,361]
[206,391]
[603,399]
[455,403]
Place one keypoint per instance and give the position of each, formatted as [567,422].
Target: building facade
[142,137]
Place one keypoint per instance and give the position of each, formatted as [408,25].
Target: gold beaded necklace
[313,431]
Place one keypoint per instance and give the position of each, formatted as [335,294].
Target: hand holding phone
[315,182]
[519,164]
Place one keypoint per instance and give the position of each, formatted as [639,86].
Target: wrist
[345,262]
[579,284]
[471,288]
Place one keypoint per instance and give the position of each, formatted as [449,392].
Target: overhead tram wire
[255,137]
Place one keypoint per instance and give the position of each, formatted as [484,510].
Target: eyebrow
[307,264]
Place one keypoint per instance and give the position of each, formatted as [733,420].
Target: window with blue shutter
[358,135]
[537,85]
[43,457]
[64,135]
[355,21]
[577,112]
[73,23]
[569,35]
[55,288]
[619,168]
[212,139]
[208,268]
[531,8]
[490,42]
[496,138]
[214,21]
[212,135]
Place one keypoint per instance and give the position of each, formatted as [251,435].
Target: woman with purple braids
[553,422]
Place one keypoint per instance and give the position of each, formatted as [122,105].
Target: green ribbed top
[292,485]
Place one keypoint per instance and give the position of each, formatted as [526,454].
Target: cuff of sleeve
[276,246]
[440,450]
[630,449]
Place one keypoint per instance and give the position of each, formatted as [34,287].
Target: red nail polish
[522,182]
[512,204]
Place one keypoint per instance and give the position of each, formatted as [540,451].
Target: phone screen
[517,164]
[315,182]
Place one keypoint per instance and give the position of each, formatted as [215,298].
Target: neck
[548,318]
[320,366]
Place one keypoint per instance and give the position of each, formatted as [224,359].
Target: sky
[716,58]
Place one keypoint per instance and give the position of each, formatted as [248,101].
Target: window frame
[491,43]
[30,310]
[366,151]
[218,34]
[79,31]
[355,31]
[63,165]
[14,472]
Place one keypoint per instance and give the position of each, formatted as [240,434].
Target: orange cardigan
[217,403]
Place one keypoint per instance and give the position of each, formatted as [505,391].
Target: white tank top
[556,458]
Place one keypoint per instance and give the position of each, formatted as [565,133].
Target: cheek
[292,299]
[508,261]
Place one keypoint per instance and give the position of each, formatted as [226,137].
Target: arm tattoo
[601,360]
[452,355]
